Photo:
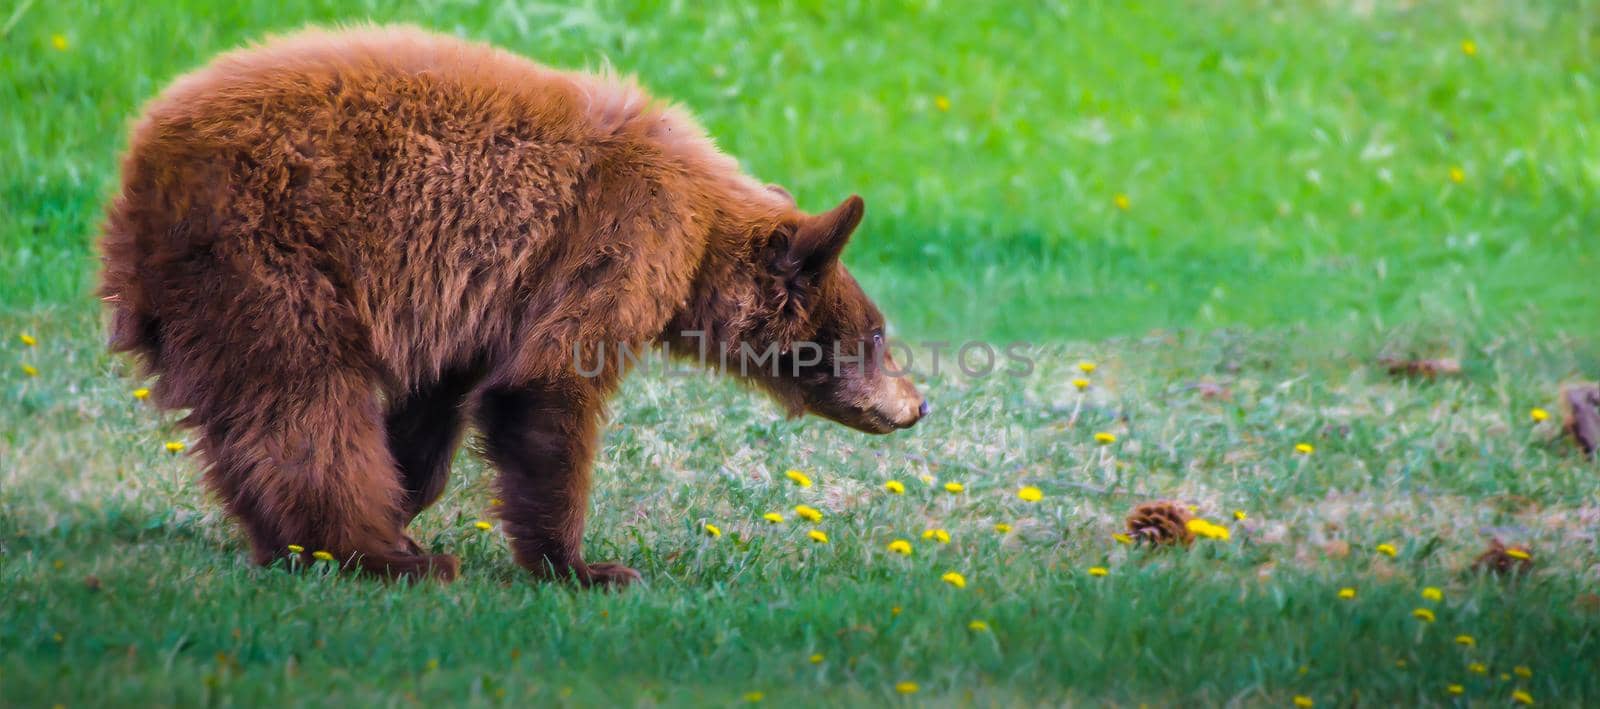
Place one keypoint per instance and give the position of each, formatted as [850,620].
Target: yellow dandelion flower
[483,525]
[296,549]
[942,103]
[1030,494]
[1304,448]
[1080,383]
[1515,553]
[1087,367]
[712,530]
[816,658]
[1400,664]
[1104,438]
[1505,677]
[1457,175]
[59,41]
[1522,698]
[1387,550]
[1303,701]
[1122,538]
[1523,671]
[1455,690]
[1477,668]
[433,664]
[818,536]
[954,487]
[1240,515]
[1347,593]
[798,477]
[1422,614]
[901,547]
[978,626]
[1466,640]
[895,611]
[1121,201]
[754,697]
[906,687]
[773,517]
[808,513]
[496,502]
[895,487]
[1208,530]
[938,535]
[30,370]
[1469,47]
[321,555]
[927,479]
[174,446]
[27,339]
[954,579]
[1099,571]
[1538,414]
[1432,594]
[141,394]
[1002,527]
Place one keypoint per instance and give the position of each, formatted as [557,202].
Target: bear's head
[792,319]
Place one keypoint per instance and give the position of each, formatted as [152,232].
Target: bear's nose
[922,411]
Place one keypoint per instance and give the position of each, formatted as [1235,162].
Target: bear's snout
[904,406]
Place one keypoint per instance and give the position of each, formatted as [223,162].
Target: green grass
[177,614]
[1291,217]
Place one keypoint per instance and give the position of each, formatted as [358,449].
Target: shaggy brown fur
[337,248]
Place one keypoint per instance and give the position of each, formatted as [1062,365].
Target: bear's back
[402,73]
[421,181]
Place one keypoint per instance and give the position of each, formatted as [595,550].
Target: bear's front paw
[611,575]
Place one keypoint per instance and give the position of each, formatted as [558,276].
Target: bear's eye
[877,337]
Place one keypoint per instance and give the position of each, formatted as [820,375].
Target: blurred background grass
[1045,170]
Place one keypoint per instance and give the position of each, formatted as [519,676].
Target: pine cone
[1502,559]
[1580,413]
[1161,522]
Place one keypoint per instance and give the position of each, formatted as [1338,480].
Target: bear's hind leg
[424,429]
[305,461]
[542,439]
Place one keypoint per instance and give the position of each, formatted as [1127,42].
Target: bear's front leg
[542,438]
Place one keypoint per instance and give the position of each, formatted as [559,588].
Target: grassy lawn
[1233,209]
[176,613]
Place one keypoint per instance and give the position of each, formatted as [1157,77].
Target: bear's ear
[800,255]
[818,240]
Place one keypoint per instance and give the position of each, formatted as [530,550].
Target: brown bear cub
[338,247]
